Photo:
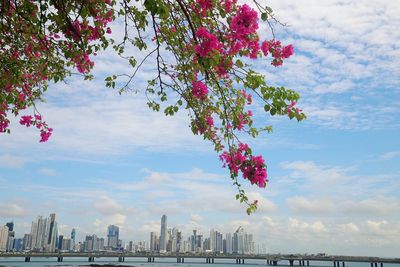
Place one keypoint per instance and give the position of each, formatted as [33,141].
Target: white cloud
[196,218]
[313,205]
[390,155]
[11,210]
[10,161]
[348,228]
[48,172]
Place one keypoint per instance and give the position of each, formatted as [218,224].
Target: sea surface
[73,262]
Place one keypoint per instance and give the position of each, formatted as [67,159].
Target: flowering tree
[202,50]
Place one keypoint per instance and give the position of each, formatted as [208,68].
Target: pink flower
[265,46]
[45,135]
[287,51]
[253,168]
[108,30]
[205,5]
[228,5]
[210,121]
[26,120]
[209,43]
[245,21]
[199,89]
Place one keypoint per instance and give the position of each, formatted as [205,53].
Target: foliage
[201,49]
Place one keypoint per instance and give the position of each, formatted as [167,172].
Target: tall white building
[228,238]
[163,235]
[44,234]
[51,234]
[213,241]
[38,231]
[3,238]
[153,242]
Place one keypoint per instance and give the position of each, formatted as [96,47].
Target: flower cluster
[199,89]
[277,51]
[33,59]
[291,108]
[209,43]
[36,120]
[203,7]
[253,168]
[245,22]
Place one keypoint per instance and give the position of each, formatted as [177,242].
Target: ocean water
[139,262]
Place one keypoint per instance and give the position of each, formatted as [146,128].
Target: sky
[334,178]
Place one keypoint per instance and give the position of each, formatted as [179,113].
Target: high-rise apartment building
[228,238]
[163,234]
[73,237]
[51,234]
[193,241]
[27,242]
[153,242]
[112,237]
[3,238]
[18,244]
[37,231]
[44,234]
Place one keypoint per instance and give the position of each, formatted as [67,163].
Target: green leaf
[264,16]
[239,63]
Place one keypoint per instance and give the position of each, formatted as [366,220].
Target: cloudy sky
[334,178]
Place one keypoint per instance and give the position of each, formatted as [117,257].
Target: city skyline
[334,178]
[44,237]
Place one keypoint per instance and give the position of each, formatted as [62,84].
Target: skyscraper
[163,235]
[37,231]
[228,238]
[193,241]
[73,237]
[153,242]
[27,242]
[112,236]
[44,234]
[51,234]
[3,238]
[213,241]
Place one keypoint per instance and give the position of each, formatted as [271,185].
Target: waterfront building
[178,241]
[163,234]
[112,237]
[44,234]
[18,245]
[153,242]
[11,236]
[66,244]
[73,237]
[206,244]
[212,246]
[59,242]
[228,243]
[10,243]
[193,241]
[101,244]
[27,242]
[130,247]
[88,244]
[51,234]
[3,238]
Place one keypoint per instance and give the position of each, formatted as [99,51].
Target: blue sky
[334,178]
